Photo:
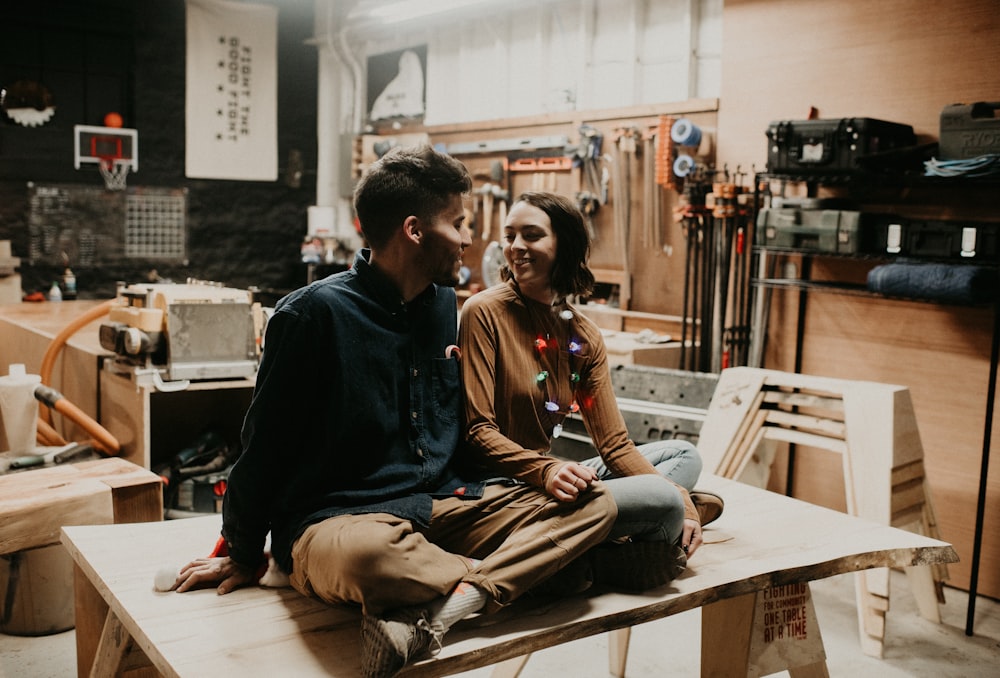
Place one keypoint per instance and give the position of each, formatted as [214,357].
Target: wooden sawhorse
[871,425]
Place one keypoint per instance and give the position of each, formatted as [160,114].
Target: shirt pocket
[446,389]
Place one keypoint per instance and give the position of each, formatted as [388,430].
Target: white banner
[232,102]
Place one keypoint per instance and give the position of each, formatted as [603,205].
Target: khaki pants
[520,535]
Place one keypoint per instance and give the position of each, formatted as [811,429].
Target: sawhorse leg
[761,633]
[617,656]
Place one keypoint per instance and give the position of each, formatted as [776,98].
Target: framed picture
[397,84]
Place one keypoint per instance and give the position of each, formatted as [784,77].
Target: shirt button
[415,372]
[420,453]
[413,415]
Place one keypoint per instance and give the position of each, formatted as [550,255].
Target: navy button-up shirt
[357,409]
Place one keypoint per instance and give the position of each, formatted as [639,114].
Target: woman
[529,359]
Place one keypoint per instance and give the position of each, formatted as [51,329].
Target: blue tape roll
[683,165]
[685,133]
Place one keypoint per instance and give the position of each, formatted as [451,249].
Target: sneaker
[637,565]
[709,505]
[389,643]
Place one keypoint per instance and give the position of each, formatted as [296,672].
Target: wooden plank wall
[657,273]
[898,60]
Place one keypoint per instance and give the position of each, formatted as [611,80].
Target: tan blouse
[526,366]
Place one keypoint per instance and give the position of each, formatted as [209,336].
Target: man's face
[445,240]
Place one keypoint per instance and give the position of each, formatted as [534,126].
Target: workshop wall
[530,58]
[119,55]
[550,69]
[902,61]
[634,236]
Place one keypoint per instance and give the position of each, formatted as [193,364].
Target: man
[349,443]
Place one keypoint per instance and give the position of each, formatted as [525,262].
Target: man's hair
[406,181]
[570,273]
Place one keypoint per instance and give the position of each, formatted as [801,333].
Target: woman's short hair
[406,181]
[570,273]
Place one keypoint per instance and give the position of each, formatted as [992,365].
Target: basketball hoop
[115,171]
[115,150]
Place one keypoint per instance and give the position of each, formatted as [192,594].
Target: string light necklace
[544,343]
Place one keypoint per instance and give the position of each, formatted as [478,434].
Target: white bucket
[18,411]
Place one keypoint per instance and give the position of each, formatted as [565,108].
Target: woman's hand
[691,538]
[223,571]
[570,480]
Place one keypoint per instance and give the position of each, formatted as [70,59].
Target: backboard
[115,150]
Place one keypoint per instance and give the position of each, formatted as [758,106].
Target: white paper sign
[231,108]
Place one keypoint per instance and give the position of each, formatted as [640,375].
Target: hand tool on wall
[626,167]
[588,204]
[487,211]
[587,157]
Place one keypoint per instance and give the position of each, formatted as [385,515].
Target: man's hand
[691,538]
[570,480]
[206,571]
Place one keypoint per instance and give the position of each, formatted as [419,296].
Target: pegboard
[88,226]
[155,225]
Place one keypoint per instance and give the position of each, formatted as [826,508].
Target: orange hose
[48,435]
[57,343]
[102,437]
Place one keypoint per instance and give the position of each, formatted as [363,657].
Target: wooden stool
[871,425]
[35,504]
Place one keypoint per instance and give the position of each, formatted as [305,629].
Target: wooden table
[757,562]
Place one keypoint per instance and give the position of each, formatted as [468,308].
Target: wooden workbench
[27,330]
[35,504]
[762,541]
[151,425]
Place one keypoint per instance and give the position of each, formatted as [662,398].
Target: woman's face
[529,246]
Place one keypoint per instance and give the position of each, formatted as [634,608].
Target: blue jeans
[649,508]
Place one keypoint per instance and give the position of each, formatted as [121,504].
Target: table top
[762,540]
[50,318]
[36,503]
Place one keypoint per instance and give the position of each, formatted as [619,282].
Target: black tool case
[970,130]
[959,241]
[823,148]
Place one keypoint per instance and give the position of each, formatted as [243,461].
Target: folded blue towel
[943,283]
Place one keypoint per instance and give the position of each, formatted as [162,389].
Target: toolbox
[943,240]
[824,231]
[969,130]
[831,147]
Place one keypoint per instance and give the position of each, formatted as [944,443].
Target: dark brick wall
[239,233]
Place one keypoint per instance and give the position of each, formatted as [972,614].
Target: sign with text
[231,107]
[785,631]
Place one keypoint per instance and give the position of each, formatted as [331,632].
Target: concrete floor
[915,647]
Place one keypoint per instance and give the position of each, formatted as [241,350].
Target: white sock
[463,600]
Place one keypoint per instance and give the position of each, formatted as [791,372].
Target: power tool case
[818,147]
